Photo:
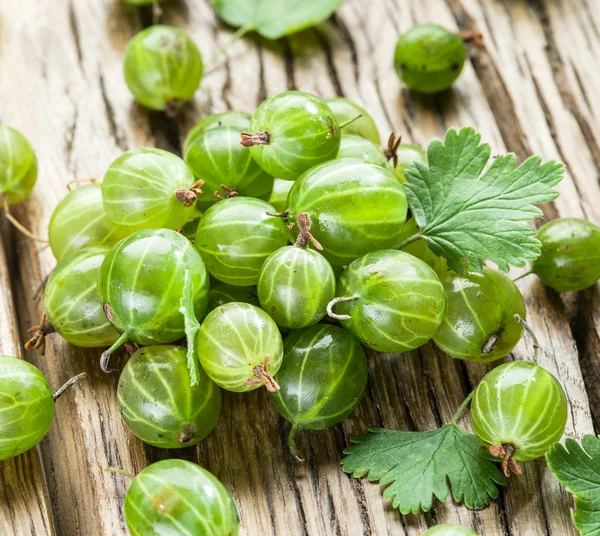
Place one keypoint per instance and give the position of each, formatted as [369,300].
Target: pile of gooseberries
[280,231]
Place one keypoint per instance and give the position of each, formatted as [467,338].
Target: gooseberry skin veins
[216,156]
[354,208]
[355,146]
[429,58]
[231,118]
[179,497]
[302,130]
[519,404]
[295,285]
[479,306]
[279,195]
[141,284]
[79,221]
[406,155]
[23,426]
[139,190]
[449,530]
[236,235]
[322,378]
[570,257]
[18,166]
[346,110]
[158,403]
[71,300]
[235,338]
[400,305]
[162,67]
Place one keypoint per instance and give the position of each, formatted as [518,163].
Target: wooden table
[534,89]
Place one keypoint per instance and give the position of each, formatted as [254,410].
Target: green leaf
[419,465]
[577,468]
[469,215]
[275,18]
[191,327]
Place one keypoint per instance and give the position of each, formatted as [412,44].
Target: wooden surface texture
[533,89]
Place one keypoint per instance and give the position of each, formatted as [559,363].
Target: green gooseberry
[18,166]
[158,403]
[405,155]
[420,249]
[570,258]
[173,497]
[235,237]
[355,146]
[292,132]
[354,207]
[519,410]
[231,118]
[216,157]
[162,68]
[322,378]
[429,58]
[240,347]
[295,283]
[279,195]
[26,406]
[449,530]
[71,303]
[345,110]
[141,285]
[149,188]
[392,301]
[479,322]
[79,221]
[222,293]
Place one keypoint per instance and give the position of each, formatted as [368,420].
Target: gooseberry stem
[346,123]
[57,394]
[536,343]
[291,442]
[461,408]
[91,180]
[236,36]
[304,229]
[409,240]
[121,472]
[335,301]
[105,357]
[16,223]
[262,376]
[522,276]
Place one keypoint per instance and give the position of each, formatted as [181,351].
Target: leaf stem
[57,394]
[409,240]
[536,343]
[522,276]
[291,441]
[350,121]
[235,36]
[462,408]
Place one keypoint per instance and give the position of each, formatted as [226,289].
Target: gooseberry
[355,146]
[79,221]
[429,58]
[279,195]
[322,378]
[18,166]
[570,258]
[231,118]
[222,293]
[405,155]
[225,167]
[158,403]
[519,410]
[162,68]
[236,235]
[354,207]
[173,497]
[346,110]
[479,322]
[149,188]
[292,132]
[71,303]
[392,301]
[27,404]
[141,285]
[449,530]
[295,283]
[240,347]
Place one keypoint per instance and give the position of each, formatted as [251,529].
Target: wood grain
[530,91]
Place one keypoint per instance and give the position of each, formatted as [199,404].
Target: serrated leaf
[577,468]
[275,18]
[468,215]
[192,327]
[420,465]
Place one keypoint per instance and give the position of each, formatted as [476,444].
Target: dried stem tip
[509,466]
[304,237]
[262,376]
[471,36]
[391,152]
[188,195]
[257,138]
[229,192]
[39,333]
